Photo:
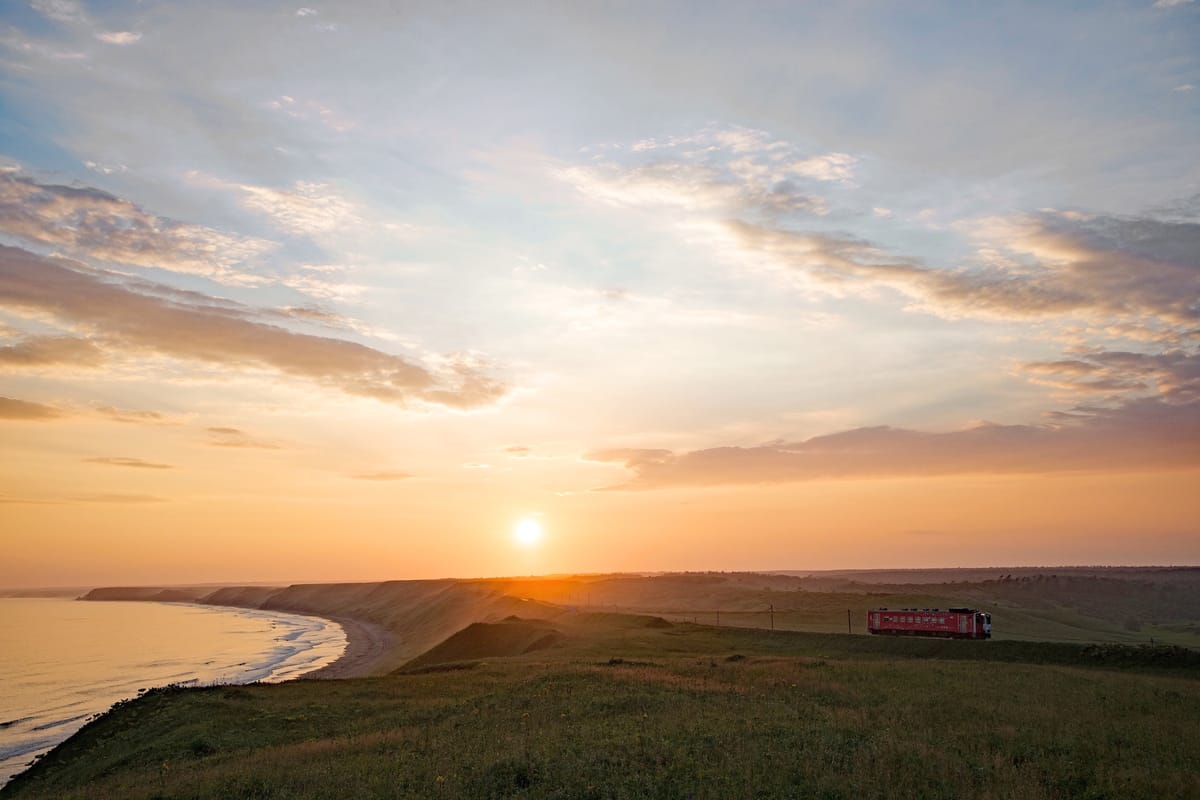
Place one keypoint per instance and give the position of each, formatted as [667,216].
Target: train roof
[932,610]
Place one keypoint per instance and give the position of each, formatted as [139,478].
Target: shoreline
[366,644]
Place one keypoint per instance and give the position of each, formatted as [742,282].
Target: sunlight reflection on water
[62,661]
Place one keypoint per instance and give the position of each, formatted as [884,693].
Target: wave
[10,751]
[45,726]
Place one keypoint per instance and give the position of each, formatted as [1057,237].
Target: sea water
[63,661]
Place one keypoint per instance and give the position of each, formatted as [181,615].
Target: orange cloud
[1173,374]
[23,409]
[124,415]
[38,351]
[381,476]
[118,461]
[117,497]
[235,437]
[1140,435]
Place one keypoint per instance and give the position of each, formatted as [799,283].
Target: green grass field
[627,707]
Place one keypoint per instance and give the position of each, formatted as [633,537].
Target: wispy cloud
[385,475]
[235,437]
[723,171]
[178,325]
[1061,263]
[40,351]
[1173,375]
[306,208]
[18,42]
[311,110]
[130,416]
[60,10]
[91,223]
[119,461]
[14,409]
[117,497]
[120,38]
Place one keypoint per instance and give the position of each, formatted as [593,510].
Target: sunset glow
[341,292]
[527,532]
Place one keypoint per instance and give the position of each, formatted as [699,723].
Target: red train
[952,623]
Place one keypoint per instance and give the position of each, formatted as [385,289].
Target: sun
[527,532]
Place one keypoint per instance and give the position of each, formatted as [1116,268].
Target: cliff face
[241,596]
[146,593]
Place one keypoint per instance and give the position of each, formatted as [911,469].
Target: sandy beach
[366,643]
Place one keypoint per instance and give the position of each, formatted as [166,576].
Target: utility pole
[772,610]
[718,619]
[849,625]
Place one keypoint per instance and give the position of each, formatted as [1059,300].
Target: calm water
[63,660]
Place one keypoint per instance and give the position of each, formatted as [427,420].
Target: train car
[951,623]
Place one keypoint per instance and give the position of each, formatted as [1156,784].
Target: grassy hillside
[625,706]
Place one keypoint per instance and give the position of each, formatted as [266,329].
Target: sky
[371,290]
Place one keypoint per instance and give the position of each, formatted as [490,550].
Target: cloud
[322,289]
[235,437]
[829,167]
[691,187]
[381,476]
[518,451]
[39,351]
[120,38]
[306,12]
[89,222]
[1170,3]
[105,169]
[731,171]
[181,326]
[135,417]
[311,110]
[1143,434]
[1058,264]
[117,497]
[306,208]
[117,461]
[17,41]
[1173,375]
[60,10]
[26,410]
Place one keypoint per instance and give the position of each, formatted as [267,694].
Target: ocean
[62,660]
